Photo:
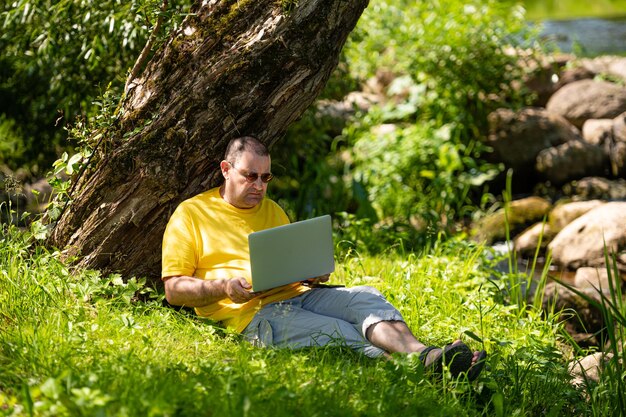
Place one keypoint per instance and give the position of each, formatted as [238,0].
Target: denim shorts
[321,317]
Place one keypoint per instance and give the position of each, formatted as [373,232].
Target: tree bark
[246,67]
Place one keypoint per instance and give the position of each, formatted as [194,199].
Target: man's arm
[196,292]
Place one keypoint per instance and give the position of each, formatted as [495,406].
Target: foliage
[454,51]
[415,161]
[75,343]
[415,173]
[450,66]
[56,57]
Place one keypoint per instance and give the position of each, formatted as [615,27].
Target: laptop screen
[290,253]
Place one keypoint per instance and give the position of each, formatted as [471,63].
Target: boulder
[332,115]
[582,319]
[588,99]
[582,242]
[38,195]
[570,161]
[595,278]
[619,128]
[615,146]
[518,137]
[526,242]
[521,214]
[564,213]
[610,65]
[597,131]
[545,74]
[571,75]
[600,188]
[617,156]
[588,369]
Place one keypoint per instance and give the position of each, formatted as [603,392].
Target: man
[206,265]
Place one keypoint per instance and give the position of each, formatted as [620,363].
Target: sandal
[456,356]
[477,368]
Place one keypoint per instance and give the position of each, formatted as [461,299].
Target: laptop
[290,253]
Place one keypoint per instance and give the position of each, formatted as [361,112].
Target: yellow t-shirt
[207,238]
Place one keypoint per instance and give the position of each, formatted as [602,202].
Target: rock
[571,75]
[38,195]
[545,74]
[332,116]
[570,161]
[600,188]
[521,213]
[518,137]
[588,99]
[526,242]
[595,278]
[617,156]
[619,128]
[588,368]
[596,131]
[581,243]
[607,64]
[379,83]
[564,213]
[615,146]
[586,323]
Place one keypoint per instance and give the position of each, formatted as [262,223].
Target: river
[583,27]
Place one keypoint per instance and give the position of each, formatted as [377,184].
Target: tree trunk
[246,67]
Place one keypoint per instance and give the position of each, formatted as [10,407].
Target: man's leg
[393,336]
[286,324]
[360,316]
[381,323]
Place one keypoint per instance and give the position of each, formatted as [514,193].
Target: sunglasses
[253,176]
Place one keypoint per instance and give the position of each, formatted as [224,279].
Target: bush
[451,68]
[56,57]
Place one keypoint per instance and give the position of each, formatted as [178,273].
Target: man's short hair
[244,143]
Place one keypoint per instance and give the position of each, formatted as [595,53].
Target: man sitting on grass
[206,265]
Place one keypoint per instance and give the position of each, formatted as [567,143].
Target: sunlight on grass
[75,343]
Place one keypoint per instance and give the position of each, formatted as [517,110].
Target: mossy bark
[234,68]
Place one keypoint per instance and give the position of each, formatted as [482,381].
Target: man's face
[238,191]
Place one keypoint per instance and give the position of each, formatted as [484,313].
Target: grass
[74,343]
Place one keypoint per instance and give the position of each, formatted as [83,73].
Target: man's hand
[238,290]
[317,280]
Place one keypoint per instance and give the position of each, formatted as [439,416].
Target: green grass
[73,343]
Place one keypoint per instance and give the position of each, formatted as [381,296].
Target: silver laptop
[290,253]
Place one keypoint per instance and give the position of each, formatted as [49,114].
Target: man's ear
[224,166]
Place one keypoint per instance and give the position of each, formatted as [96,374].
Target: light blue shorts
[323,316]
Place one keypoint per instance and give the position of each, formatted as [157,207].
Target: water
[587,36]
[583,27]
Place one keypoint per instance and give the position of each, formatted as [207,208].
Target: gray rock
[596,131]
[571,75]
[518,137]
[582,319]
[564,213]
[588,368]
[582,242]
[617,156]
[597,278]
[570,161]
[600,188]
[521,213]
[610,65]
[619,128]
[588,99]
[526,242]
